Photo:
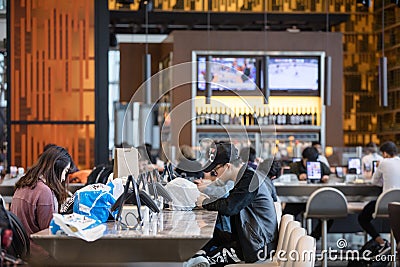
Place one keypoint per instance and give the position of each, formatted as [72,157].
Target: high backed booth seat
[324,204]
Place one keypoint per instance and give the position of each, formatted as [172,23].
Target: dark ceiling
[163,22]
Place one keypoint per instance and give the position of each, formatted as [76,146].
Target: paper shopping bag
[126,162]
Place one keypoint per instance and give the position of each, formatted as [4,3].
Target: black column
[101,20]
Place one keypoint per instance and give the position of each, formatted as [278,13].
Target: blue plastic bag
[94,201]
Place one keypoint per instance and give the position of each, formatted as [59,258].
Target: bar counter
[300,191]
[170,236]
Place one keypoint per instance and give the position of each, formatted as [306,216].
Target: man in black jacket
[250,208]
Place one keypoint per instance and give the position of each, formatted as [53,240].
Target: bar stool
[324,204]
[382,211]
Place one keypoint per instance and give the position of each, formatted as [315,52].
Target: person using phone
[300,169]
[387,175]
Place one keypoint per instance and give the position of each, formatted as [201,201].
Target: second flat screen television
[298,75]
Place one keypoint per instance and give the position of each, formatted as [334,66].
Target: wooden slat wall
[52,79]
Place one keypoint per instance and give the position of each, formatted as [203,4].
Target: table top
[169,236]
[299,191]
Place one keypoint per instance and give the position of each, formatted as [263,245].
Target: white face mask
[65,172]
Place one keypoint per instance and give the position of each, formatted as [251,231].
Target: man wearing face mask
[250,208]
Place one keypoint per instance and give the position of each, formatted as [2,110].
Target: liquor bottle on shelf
[241,119]
[297,117]
[273,117]
[255,116]
[292,117]
[283,116]
[208,116]
[302,116]
[308,117]
[287,116]
[225,116]
[265,116]
[314,115]
[198,116]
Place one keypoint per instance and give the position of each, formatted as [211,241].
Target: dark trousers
[365,218]
[297,210]
[222,249]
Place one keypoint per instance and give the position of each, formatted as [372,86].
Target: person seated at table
[321,158]
[387,175]
[300,169]
[372,155]
[250,208]
[248,154]
[188,166]
[41,191]
[270,169]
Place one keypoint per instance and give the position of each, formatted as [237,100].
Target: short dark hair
[310,153]
[314,143]
[271,167]
[389,147]
[248,154]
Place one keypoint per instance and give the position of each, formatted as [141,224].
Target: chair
[306,249]
[284,236]
[382,211]
[282,229]
[295,234]
[394,218]
[294,238]
[324,204]
[278,210]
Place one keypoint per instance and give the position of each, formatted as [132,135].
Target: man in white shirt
[367,160]
[386,175]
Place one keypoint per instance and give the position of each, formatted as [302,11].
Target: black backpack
[100,174]
[20,244]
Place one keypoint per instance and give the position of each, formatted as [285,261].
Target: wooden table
[171,236]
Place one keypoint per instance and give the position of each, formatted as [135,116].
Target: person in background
[41,191]
[372,155]
[300,169]
[188,166]
[250,208]
[149,147]
[248,154]
[270,169]
[387,175]
[321,158]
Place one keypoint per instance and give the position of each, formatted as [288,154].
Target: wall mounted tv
[224,76]
[294,75]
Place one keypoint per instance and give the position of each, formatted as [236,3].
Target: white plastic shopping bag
[77,225]
[183,193]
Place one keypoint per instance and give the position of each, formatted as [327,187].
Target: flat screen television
[297,75]
[232,73]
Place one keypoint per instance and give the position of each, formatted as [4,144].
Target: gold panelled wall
[52,79]
[33,138]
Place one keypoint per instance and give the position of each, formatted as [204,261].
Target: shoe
[199,261]
[383,249]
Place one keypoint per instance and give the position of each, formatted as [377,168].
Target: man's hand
[200,199]
[303,177]
[325,179]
